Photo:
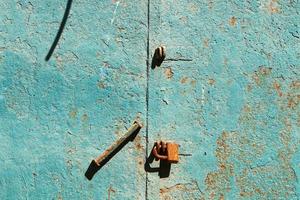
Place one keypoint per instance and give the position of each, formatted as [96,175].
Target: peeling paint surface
[228,93]
[57,116]
[235,106]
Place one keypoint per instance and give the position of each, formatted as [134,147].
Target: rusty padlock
[166,151]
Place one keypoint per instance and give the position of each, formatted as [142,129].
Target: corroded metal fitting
[167,151]
[159,56]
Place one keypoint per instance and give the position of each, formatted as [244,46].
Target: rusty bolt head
[159,56]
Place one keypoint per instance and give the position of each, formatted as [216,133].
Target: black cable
[60,30]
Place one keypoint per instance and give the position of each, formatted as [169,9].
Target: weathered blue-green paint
[57,116]
[234,107]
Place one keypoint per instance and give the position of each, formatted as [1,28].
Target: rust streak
[273,7]
[137,143]
[233,21]
[277,88]
[101,85]
[110,190]
[184,80]
[211,81]
[206,43]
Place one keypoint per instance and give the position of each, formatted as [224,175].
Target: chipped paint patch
[218,183]
[273,6]
[276,86]
[260,74]
[206,42]
[233,21]
[270,6]
[211,81]
[169,73]
[184,80]
[101,84]
[73,113]
[181,191]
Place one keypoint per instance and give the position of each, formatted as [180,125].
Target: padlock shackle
[158,156]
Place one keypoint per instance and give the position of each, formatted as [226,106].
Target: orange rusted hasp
[101,160]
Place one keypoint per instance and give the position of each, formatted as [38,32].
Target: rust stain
[247,109]
[178,186]
[210,4]
[185,189]
[73,113]
[265,70]
[285,134]
[293,100]
[273,6]
[106,64]
[110,190]
[193,82]
[212,195]
[295,85]
[211,179]
[249,88]
[248,181]
[221,197]
[249,145]
[206,42]
[84,117]
[184,80]
[184,19]
[211,81]
[233,21]
[276,86]
[262,72]
[293,96]
[101,85]
[138,143]
[225,61]
[69,164]
[219,181]
[59,196]
[169,73]
[194,8]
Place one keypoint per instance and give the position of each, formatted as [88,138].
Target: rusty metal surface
[235,106]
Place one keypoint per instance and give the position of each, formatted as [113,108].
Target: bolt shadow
[163,170]
[154,63]
[94,167]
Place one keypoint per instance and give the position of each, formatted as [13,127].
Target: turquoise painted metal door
[57,116]
[228,93]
